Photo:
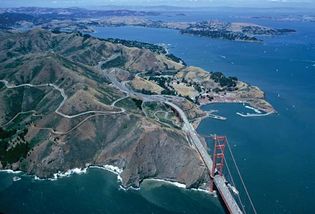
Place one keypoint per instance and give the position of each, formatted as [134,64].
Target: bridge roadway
[219,181]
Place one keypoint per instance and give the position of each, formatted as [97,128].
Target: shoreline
[180,185]
[109,168]
[249,105]
[197,121]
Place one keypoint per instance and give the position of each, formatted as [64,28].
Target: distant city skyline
[181,3]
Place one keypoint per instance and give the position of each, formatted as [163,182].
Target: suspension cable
[241,178]
[232,180]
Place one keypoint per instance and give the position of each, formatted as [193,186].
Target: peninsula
[76,19]
[70,100]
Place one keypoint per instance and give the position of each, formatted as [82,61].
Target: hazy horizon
[148,3]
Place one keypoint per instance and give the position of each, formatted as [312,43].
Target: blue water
[97,191]
[275,153]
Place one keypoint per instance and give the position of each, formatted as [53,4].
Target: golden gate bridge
[218,181]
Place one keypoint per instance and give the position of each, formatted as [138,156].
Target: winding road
[192,135]
[57,111]
[187,127]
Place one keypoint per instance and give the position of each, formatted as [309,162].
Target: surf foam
[174,183]
[10,171]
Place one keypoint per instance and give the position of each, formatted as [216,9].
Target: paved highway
[187,127]
[219,181]
[57,111]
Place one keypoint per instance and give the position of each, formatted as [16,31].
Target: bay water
[275,153]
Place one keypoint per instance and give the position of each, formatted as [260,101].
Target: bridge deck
[219,181]
[226,195]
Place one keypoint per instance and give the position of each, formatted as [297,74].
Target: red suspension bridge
[227,189]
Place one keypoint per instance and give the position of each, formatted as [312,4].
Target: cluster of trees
[138,103]
[175,59]
[194,84]
[161,81]
[14,154]
[168,92]
[119,61]
[229,82]
[164,83]
[144,91]
[142,45]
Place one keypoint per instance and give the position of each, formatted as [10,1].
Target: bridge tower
[218,158]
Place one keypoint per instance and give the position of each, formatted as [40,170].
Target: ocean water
[275,153]
[98,191]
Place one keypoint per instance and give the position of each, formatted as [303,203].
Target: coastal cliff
[64,105]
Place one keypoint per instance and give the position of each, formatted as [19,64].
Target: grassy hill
[38,139]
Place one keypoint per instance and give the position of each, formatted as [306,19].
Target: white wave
[174,183]
[128,188]
[122,188]
[113,169]
[15,178]
[39,179]
[177,184]
[78,171]
[214,193]
[254,109]
[96,167]
[10,171]
[183,186]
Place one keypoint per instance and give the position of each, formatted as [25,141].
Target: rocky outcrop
[150,152]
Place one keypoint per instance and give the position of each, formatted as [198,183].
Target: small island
[76,19]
